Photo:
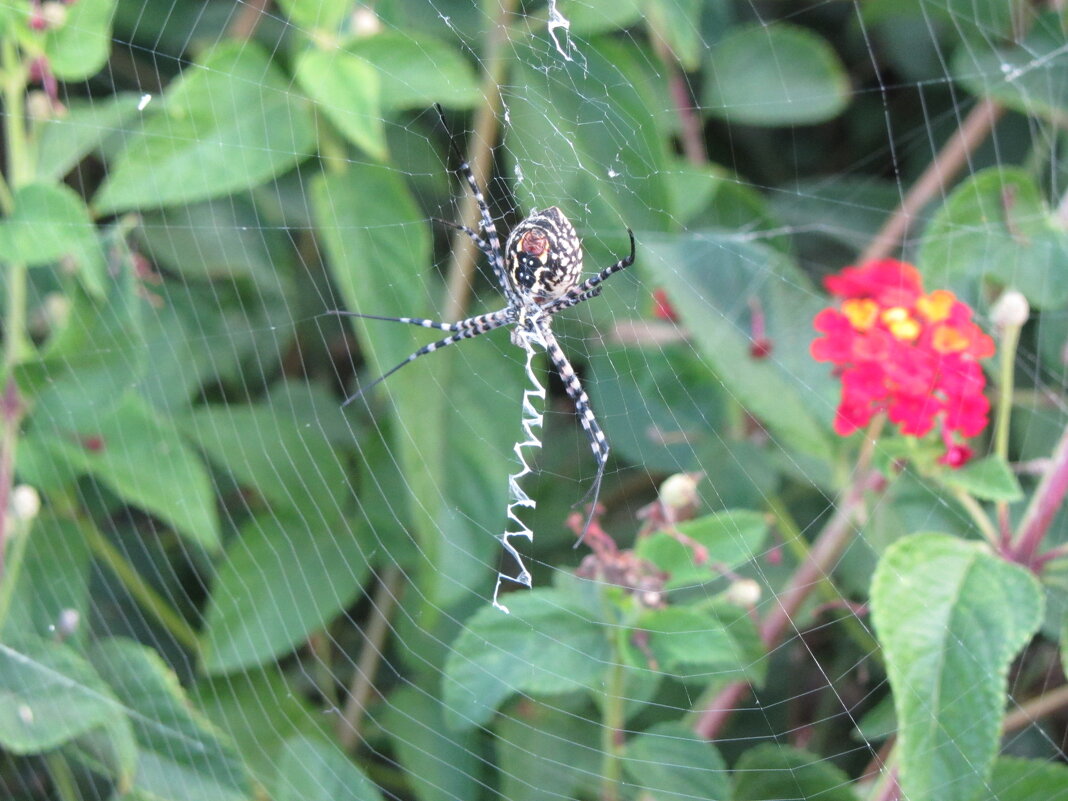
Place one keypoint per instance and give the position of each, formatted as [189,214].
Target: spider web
[334,567]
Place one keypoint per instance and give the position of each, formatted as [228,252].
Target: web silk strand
[518,498]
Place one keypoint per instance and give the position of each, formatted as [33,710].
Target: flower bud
[1010,310]
[69,620]
[680,491]
[365,22]
[744,593]
[25,502]
[54,14]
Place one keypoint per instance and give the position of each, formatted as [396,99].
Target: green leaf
[527,744]
[143,460]
[773,772]
[345,88]
[321,566]
[775,75]
[48,696]
[259,710]
[1026,780]
[989,479]
[730,538]
[710,279]
[548,645]
[54,581]
[678,24]
[229,123]
[218,239]
[181,757]
[455,461]
[316,770]
[1030,77]
[671,763]
[67,139]
[951,617]
[51,223]
[318,14]
[294,468]
[997,225]
[690,644]
[589,17]
[417,71]
[79,48]
[438,763]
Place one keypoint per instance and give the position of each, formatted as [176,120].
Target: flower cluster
[909,353]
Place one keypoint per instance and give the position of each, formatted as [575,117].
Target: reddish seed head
[95,443]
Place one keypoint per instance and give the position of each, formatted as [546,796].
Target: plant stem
[382,605]
[62,777]
[936,178]
[14,567]
[979,517]
[612,732]
[795,541]
[1045,504]
[480,157]
[147,597]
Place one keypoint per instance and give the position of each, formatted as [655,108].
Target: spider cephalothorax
[543,255]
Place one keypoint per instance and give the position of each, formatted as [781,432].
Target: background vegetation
[217,584]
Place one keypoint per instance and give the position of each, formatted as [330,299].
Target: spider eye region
[544,255]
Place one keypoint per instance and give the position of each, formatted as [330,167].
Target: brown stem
[480,158]
[1045,504]
[825,553]
[247,19]
[936,178]
[360,691]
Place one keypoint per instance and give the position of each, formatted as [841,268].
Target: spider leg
[598,443]
[480,243]
[569,300]
[410,320]
[494,252]
[593,282]
[472,327]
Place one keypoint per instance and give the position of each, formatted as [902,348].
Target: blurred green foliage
[218,584]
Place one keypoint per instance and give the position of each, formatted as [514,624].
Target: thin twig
[360,691]
[936,178]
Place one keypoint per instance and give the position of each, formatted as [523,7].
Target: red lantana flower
[911,354]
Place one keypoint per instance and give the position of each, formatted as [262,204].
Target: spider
[538,271]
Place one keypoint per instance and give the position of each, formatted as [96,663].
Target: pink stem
[1046,502]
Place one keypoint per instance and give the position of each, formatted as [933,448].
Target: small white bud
[744,593]
[1011,309]
[365,22]
[25,502]
[56,309]
[680,491]
[39,105]
[54,14]
[26,714]
[69,620]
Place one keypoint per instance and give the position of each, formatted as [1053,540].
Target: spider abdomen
[544,255]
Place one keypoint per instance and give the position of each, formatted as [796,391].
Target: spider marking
[539,271]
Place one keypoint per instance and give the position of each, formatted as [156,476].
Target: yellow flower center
[936,306]
[948,339]
[861,312]
[901,325]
